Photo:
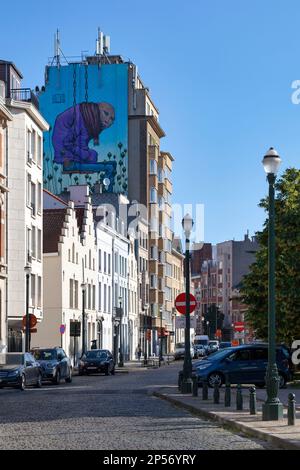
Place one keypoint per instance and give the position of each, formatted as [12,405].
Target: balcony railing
[24,94]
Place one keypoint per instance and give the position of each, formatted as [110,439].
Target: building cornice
[31,110]
[4,112]
[153,123]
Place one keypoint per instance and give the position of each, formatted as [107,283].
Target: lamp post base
[272,411]
[186,386]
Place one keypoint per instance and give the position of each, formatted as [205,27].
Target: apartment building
[25,211]
[5,117]
[178,286]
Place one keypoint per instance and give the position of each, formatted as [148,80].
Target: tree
[254,287]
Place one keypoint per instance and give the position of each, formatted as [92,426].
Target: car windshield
[179,345]
[95,355]
[9,359]
[219,354]
[45,354]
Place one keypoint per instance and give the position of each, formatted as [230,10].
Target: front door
[240,367]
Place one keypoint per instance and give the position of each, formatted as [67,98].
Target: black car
[55,364]
[19,370]
[97,360]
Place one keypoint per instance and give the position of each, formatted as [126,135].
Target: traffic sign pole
[186,386]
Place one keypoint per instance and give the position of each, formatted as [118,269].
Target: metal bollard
[239,398]
[204,390]
[291,410]
[195,385]
[227,393]
[252,401]
[216,394]
[180,379]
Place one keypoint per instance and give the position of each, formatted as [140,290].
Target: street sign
[239,335]
[239,326]
[180,322]
[75,328]
[180,303]
[62,329]
[32,321]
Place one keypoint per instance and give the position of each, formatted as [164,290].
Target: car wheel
[56,379]
[68,380]
[39,381]
[282,381]
[215,377]
[260,385]
[22,385]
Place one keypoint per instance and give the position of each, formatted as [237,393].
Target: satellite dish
[106,182]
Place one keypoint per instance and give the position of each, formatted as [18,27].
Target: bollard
[180,379]
[239,398]
[216,394]
[252,400]
[195,385]
[227,393]
[204,390]
[291,410]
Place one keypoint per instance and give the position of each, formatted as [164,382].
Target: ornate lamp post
[186,387]
[160,342]
[27,327]
[83,288]
[272,408]
[121,356]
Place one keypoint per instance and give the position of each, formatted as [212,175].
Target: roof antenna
[57,48]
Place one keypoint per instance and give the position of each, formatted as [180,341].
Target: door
[260,358]
[63,363]
[30,373]
[240,367]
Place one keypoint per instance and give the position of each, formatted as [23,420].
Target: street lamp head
[187,225]
[28,269]
[83,286]
[271,162]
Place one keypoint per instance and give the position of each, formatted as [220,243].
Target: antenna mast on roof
[57,48]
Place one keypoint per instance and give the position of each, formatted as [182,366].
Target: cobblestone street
[116,412]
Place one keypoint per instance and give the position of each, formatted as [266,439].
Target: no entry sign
[180,303]
[239,326]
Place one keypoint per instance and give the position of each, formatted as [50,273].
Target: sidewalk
[278,433]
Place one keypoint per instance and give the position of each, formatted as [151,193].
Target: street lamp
[160,342]
[207,329]
[272,408]
[121,359]
[83,288]
[186,386]
[27,270]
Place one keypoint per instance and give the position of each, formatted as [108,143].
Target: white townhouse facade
[133,299]
[25,207]
[70,267]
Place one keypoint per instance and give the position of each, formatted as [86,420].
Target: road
[115,412]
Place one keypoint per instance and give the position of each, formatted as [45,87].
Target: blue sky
[219,71]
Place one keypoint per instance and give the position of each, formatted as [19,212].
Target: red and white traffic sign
[180,303]
[239,326]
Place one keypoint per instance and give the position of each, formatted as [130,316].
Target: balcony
[24,94]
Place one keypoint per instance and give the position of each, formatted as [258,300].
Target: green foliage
[254,287]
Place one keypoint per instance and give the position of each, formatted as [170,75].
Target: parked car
[244,364]
[180,351]
[55,364]
[97,360]
[225,344]
[199,351]
[19,370]
[213,346]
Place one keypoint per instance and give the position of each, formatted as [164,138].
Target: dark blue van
[244,364]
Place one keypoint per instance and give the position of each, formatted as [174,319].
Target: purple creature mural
[74,129]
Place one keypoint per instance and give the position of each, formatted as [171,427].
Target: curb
[229,424]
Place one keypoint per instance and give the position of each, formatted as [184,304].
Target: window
[104,261]
[39,151]
[153,281]
[153,195]
[105,299]
[33,242]
[39,296]
[39,198]
[161,203]
[33,292]
[33,146]
[94,297]
[153,167]
[39,247]
[99,260]
[99,297]
[109,261]
[161,175]
[116,264]
[89,297]
[28,244]
[33,199]
[168,270]
[28,192]
[28,146]
[109,299]
[168,293]
[153,252]
[76,293]
[71,296]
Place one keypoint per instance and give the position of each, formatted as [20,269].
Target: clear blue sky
[220,72]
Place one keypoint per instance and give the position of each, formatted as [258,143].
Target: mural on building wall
[87,109]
